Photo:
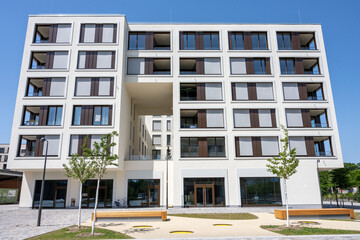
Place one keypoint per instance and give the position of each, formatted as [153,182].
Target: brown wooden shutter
[199,41]
[39,146]
[233,91]
[299,66]
[90,110]
[237,146]
[27,149]
[305,113]
[94,88]
[114,33]
[273,118]
[267,66]
[181,41]
[302,91]
[200,68]
[94,59]
[149,66]
[113,60]
[83,115]
[82,33]
[231,47]
[46,87]
[98,33]
[80,143]
[295,41]
[252,91]
[110,115]
[249,66]
[254,118]
[87,112]
[309,143]
[149,40]
[256,145]
[43,115]
[201,118]
[49,60]
[53,33]
[247,41]
[203,150]
[200,91]
[111,86]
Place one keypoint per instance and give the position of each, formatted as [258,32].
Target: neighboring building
[228,88]
[4,154]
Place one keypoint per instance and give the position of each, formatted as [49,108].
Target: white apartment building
[227,88]
[4,151]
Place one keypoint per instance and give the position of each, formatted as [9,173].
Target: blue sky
[340,21]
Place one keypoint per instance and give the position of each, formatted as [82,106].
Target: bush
[349,196]
[357,196]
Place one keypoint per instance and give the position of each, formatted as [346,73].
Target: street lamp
[167,177]
[318,173]
[43,181]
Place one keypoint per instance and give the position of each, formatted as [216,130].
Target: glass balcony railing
[319,125]
[31,123]
[323,153]
[189,126]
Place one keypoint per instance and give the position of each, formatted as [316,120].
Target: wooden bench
[134,214]
[281,213]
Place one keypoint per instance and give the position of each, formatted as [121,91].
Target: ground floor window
[105,194]
[204,192]
[143,192]
[260,191]
[54,194]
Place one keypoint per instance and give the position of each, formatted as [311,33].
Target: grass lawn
[300,230]
[227,216]
[83,233]
[357,217]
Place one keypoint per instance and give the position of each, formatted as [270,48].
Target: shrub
[357,196]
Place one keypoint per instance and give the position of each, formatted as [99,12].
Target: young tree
[284,166]
[325,182]
[82,169]
[341,180]
[102,158]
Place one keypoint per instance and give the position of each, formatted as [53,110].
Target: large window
[54,194]
[156,154]
[284,41]
[137,41]
[105,199]
[202,147]
[189,147]
[189,41]
[143,192]
[211,41]
[287,66]
[216,147]
[101,115]
[237,41]
[259,41]
[259,66]
[260,191]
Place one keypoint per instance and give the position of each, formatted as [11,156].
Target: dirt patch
[73,229]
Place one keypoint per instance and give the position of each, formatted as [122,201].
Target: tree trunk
[96,203]
[336,196]
[287,205]
[80,200]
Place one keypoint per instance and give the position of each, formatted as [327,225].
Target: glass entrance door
[204,195]
[153,193]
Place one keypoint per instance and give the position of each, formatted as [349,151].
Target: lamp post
[317,167]
[167,177]
[43,181]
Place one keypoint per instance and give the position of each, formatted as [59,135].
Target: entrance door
[204,195]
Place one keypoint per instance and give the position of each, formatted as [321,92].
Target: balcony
[323,147]
[303,91]
[200,66]
[189,118]
[296,41]
[149,41]
[308,66]
[149,66]
[142,158]
[318,118]
[55,33]
[42,116]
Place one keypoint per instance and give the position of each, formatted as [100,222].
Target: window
[284,41]
[207,66]
[49,87]
[54,116]
[101,115]
[34,147]
[237,40]
[211,41]
[240,66]
[156,140]
[94,87]
[148,66]
[77,116]
[136,41]
[98,33]
[2,150]
[216,147]
[168,125]
[189,147]
[259,66]
[49,60]
[259,41]
[156,154]
[168,139]
[287,66]
[157,125]
[54,33]
[96,60]
[188,40]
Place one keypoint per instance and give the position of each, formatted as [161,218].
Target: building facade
[4,151]
[226,87]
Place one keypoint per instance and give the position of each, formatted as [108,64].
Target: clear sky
[340,21]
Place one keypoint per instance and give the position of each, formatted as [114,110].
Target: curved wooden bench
[128,214]
[281,213]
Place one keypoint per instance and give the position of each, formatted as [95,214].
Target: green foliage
[79,166]
[285,165]
[325,182]
[341,178]
[101,155]
[306,230]
[357,196]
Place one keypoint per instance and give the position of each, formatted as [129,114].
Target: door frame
[204,186]
[149,187]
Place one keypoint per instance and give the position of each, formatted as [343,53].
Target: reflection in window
[137,41]
[54,117]
[287,66]
[259,66]
[189,41]
[259,41]
[211,41]
[237,41]
[77,116]
[284,41]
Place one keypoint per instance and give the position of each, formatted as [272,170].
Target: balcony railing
[315,98]
[35,94]
[313,72]
[319,125]
[141,158]
[323,153]
[189,126]
[186,98]
[27,154]
[31,123]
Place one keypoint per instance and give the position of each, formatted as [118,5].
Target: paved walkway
[18,223]
[204,228]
